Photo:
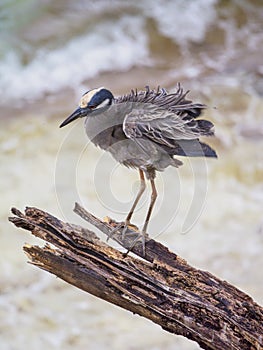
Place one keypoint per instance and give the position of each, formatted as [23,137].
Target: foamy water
[69,66]
[208,211]
[117,37]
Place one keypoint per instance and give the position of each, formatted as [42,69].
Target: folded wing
[177,133]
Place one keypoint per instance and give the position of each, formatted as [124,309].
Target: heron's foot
[140,238]
[123,227]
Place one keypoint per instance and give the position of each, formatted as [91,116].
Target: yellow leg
[128,218]
[153,199]
[142,236]
[141,190]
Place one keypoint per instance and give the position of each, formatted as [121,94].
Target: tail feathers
[206,127]
[194,148]
[199,126]
[195,112]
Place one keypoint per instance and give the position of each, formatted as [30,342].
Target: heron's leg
[139,194]
[128,218]
[146,222]
[153,199]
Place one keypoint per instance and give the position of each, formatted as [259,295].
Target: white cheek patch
[85,99]
[103,104]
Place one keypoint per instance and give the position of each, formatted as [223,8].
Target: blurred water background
[209,211]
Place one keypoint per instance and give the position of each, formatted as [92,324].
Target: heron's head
[92,102]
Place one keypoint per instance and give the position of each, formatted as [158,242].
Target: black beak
[78,113]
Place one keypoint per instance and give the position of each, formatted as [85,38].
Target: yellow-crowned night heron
[145,130]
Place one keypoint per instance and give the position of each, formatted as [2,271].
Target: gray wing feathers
[163,126]
[168,120]
[174,102]
[162,116]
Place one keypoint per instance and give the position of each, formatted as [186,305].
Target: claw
[116,228]
[124,231]
[124,227]
[141,237]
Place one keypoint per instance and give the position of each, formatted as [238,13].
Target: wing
[175,102]
[169,120]
[163,126]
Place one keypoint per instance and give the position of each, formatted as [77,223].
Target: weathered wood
[162,287]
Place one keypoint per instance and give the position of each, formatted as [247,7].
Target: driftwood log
[160,286]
